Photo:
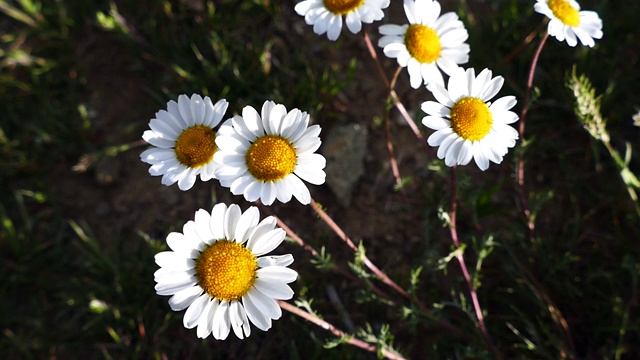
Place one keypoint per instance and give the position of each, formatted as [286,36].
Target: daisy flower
[430,43]
[326,15]
[184,140]
[467,125]
[265,157]
[217,270]
[568,22]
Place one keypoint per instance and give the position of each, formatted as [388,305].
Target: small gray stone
[345,148]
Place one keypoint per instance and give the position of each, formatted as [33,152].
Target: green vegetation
[80,218]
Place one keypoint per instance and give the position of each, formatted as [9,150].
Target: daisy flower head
[265,156]
[326,15]
[183,140]
[429,44]
[466,124]
[218,271]
[569,23]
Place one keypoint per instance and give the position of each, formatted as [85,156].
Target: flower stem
[523,115]
[336,267]
[463,266]
[379,273]
[393,96]
[337,332]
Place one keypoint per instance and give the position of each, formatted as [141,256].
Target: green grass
[83,78]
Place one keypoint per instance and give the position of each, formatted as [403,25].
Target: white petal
[163,129]
[503,103]
[453,152]
[252,190]
[354,24]
[492,88]
[439,136]
[267,242]
[480,157]
[264,304]
[231,221]
[206,319]
[184,106]
[392,29]
[174,261]
[187,180]
[254,313]
[272,120]
[334,27]
[253,122]
[446,143]
[164,289]
[435,109]
[267,224]
[442,95]
[275,260]
[216,221]
[435,123]
[300,190]
[178,243]
[247,222]
[277,273]
[268,193]
[154,139]
[198,110]
[274,289]
[221,324]
[183,298]
[193,313]
[203,230]
[238,319]
[466,153]
[283,189]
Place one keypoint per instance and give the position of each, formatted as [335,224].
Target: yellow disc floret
[471,118]
[271,158]
[195,146]
[226,270]
[342,7]
[563,10]
[423,43]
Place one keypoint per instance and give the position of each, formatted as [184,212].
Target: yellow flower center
[423,43]
[226,270]
[342,7]
[271,158]
[471,118]
[565,12]
[195,146]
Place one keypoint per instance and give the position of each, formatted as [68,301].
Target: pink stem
[523,115]
[337,332]
[463,266]
[379,273]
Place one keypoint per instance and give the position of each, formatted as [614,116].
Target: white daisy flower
[183,137]
[216,270]
[467,125]
[326,15]
[568,22]
[264,157]
[430,43]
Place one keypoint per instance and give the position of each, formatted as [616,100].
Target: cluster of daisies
[467,125]
[218,268]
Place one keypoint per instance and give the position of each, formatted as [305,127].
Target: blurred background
[81,219]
